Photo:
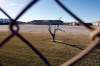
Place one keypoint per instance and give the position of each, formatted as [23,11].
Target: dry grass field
[16,52]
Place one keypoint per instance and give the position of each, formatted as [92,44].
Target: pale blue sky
[88,10]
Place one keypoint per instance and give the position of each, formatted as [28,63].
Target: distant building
[47,22]
[7,21]
[71,23]
[76,24]
[96,23]
[4,21]
[68,23]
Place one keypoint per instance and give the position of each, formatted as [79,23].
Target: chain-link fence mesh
[95,34]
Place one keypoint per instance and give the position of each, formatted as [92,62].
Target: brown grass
[16,53]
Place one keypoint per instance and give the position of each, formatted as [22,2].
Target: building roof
[48,22]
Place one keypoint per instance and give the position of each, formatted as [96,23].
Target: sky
[87,10]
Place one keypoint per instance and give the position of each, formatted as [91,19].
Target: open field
[44,28]
[16,53]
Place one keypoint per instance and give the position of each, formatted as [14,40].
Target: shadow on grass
[75,46]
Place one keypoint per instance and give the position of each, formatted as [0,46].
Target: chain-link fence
[95,34]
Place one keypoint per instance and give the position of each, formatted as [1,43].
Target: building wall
[47,22]
[96,23]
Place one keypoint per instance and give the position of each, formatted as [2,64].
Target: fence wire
[95,34]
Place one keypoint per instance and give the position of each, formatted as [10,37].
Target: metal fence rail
[95,34]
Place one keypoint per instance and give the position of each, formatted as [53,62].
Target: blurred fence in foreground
[95,34]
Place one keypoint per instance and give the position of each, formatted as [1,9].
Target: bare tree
[53,29]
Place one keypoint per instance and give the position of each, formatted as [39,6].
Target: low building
[47,22]
[7,21]
[76,24]
[71,24]
[4,21]
[96,23]
[68,24]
